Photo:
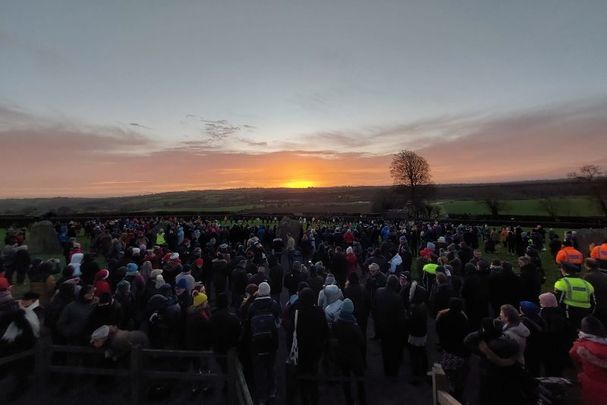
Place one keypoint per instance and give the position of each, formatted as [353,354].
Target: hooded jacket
[518,333]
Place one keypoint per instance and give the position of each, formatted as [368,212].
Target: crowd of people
[326,288]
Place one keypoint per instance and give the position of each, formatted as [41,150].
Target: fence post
[42,361]
[232,378]
[136,374]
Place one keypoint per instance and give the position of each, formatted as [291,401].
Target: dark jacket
[74,320]
[452,328]
[350,345]
[264,305]
[312,334]
[531,283]
[389,312]
[226,330]
[360,299]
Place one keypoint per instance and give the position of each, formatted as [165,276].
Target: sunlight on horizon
[299,184]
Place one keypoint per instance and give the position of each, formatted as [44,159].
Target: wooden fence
[137,368]
[440,387]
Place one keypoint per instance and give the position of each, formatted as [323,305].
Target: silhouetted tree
[494,204]
[411,174]
[593,176]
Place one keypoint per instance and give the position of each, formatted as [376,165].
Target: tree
[550,205]
[411,174]
[594,177]
[494,204]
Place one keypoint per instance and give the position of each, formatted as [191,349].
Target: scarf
[13,332]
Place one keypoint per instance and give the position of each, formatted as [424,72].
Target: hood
[331,293]
[519,330]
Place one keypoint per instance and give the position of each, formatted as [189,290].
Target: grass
[565,206]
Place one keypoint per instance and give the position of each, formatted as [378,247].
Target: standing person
[414,298]
[452,327]
[75,317]
[598,278]
[358,294]
[375,281]
[350,351]
[590,353]
[262,321]
[390,319]
[531,280]
[515,329]
[312,335]
[575,294]
[476,298]
[225,330]
[530,317]
[275,274]
[599,253]
[556,338]
[570,255]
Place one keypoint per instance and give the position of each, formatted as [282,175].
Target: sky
[142,96]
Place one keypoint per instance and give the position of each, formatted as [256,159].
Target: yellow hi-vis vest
[576,291]
[430,268]
[160,239]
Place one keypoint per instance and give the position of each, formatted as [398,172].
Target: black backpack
[263,328]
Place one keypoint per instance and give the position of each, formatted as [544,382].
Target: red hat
[198,262]
[102,274]
[4,284]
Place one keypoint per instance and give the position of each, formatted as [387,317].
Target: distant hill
[278,200]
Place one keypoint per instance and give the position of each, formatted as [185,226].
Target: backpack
[263,328]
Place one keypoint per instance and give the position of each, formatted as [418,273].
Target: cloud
[135,124]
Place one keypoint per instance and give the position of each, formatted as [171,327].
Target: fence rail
[238,393]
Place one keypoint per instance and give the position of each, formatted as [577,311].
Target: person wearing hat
[589,352]
[574,294]
[598,278]
[116,342]
[557,337]
[184,298]
[350,350]
[599,253]
[187,276]
[101,285]
[530,317]
[263,318]
[197,331]
[569,254]
[376,280]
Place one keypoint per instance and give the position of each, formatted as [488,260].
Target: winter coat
[519,334]
[452,328]
[531,283]
[360,299]
[350,345]
[198,333]
[389,312]
[226,330]
[264,305]
[121,342]
[592,378]
[74,320]
[312,335]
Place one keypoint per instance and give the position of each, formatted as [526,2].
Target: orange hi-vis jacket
[599,252]
[570,255]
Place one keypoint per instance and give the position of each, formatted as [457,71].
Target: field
[564,206]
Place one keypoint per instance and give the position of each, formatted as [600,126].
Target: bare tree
[550,205]
[411,174]
[597,180]
[494,204]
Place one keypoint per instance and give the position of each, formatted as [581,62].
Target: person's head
[569,269]
[477,253]
[591,325]
[87,293]
[524,260]
[181,286]
[456,305]
[441,279]
[490,329]
[529,308]
[567,243]
[29,298]
[100,336]
[306,297]
[509,315]
[263,290]
[392,283]
[373,268]
[251,290]
[548,300]
[200,300]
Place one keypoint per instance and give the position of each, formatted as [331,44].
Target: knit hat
[347,306]
[155,273]
[548,300]
[102,274]
[529,308]
[182,283]
[101,332]
[123,286]
[198,262]
[263,290]
[4,284]
[131,269]
[199,299]
[159,281]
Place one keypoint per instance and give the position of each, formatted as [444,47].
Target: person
[441,293]
[570,255]
[375,281]
[531,280]
[75,317]
[390,318]
[475,294]
[101,285]
[515,329]
[599,253]
[589,351]
[263,318]
[312,335]
[598,278]
[414,298]
[530,317]
[225,330]
[358,295]
[350,351]
[556,337]
[452,327]
[117,343]
[575,294]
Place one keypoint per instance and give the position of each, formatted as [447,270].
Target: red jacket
[593,378]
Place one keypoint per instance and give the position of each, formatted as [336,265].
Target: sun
[299,184]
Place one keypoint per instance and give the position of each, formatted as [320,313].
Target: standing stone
[43,239]
[587,236]
[292,226]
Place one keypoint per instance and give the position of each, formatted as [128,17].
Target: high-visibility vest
[430,268]
[576,291]
[160,239]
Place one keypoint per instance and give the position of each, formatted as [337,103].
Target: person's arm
[588,356]
[494,358]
